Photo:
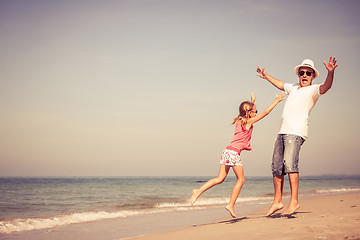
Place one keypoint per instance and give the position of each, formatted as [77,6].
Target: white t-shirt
[300,101]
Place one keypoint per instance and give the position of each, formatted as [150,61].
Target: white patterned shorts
[230,158]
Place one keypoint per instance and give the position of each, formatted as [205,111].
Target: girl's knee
[241,181]
[219,180]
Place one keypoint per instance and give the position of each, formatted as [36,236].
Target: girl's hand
[281,96]
[253,97]
[331,65]
[261,72]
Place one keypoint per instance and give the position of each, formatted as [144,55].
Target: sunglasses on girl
[307,73]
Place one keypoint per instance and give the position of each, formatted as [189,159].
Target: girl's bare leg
[223,171]
[239,172]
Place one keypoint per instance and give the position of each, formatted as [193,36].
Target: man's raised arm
[330,77]
[276,82]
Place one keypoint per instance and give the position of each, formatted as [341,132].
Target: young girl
[231,155]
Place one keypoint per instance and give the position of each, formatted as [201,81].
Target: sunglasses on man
[307,73]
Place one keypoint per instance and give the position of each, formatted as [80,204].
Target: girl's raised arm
[253,97]
[260,116]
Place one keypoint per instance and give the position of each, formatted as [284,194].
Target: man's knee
[277,168]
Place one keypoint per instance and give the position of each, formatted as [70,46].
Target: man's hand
[330,76]
[276,82]
[331,65]
[261,72]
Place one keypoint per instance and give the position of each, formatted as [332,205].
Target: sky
[150,87]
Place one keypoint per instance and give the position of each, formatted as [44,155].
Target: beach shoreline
[331,216]
[133,226]
[323,217]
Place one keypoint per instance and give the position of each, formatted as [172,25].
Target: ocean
[34,203]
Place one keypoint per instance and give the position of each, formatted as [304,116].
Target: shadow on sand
[288,216]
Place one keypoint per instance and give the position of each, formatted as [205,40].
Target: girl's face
[253,111]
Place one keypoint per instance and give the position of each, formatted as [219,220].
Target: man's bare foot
[231,210]
[194,197]
[274,208]
[291,209]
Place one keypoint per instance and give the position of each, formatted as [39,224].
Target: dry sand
[326,217]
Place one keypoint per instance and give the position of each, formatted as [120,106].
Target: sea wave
[225,200]
[338,190]
[18,225]
[212,201]
[27,224]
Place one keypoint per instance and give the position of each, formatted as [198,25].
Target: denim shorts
[286,154]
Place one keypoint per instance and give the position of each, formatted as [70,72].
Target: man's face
[304,79]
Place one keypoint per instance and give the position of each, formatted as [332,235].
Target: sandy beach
[335,216]
[325,217]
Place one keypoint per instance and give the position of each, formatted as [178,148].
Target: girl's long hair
[244,113]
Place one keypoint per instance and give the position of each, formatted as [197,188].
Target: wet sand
[325,217]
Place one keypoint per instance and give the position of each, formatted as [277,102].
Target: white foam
[225,200]
[212,201]
[338,190]
[253,199]
[172,205]
[18,225]
[209,201]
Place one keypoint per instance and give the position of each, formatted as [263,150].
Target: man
[294,127]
